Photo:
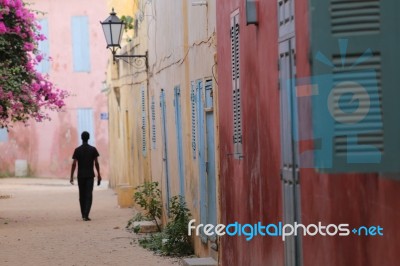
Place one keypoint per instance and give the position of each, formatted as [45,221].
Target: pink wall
[48,146]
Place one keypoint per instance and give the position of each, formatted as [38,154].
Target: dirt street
[40,224]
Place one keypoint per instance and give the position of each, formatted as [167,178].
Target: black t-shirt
[85,155]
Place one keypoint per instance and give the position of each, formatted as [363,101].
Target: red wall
[356,199]
[250,189]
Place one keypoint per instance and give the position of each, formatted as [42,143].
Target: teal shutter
[3,135]
[236,95]
[85,123]
[153,124]
[354,51]
[193,116]
[44,47]
[144,127]
[80,44]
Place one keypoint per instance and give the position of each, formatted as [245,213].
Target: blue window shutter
[193,116]
[85,123]
[3,135]
[80,44]
[144,122]
[153,123]
[44,47]
[355,56]
[236,101]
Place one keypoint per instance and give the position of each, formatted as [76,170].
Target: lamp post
[113,28]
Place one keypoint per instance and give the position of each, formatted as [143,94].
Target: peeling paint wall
[181,44]
[48,146]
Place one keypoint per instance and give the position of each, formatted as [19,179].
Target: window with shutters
[360,17]
[143,108]
[153,123]
[86,123]
[44,47]
[3,135]
[286,19]
[236,101]
[355,51]
[193,116]
[80,44]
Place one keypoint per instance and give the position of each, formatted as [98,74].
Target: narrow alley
[40,224]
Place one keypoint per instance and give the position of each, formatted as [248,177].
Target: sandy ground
[40,224]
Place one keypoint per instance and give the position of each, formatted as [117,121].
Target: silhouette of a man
[85,155]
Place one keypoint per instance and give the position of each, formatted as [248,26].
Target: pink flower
[19,13]
[28,46]
[3,28]
[17,29]
[39,58]
[36,92]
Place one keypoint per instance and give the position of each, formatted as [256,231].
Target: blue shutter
[143,108]
[80,44]
[179,139]
[3,135]
[85,123]
[153,123]
[44,47]
[355,55]
[193,117]
[237,106]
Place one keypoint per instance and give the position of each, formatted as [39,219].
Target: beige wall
[181,50]
[181,42]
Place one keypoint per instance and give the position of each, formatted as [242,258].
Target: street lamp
[113,28]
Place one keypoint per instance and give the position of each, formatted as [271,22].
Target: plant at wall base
[24,92]
[148,196]
[154,242]
[137,218]
[173,240]
[178,241]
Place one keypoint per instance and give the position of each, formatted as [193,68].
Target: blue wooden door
[201,155]
[85,123]
[178,123]
[290,158]
[210,162]
[165,145]
[206,155]
[289,151]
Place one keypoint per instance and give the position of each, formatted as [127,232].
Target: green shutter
[353,62]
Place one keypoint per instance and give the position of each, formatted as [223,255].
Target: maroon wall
[356,199]
[250,188]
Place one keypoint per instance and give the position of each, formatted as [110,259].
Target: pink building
[75,42]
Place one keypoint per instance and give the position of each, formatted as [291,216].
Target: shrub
[178,241]
[148,196]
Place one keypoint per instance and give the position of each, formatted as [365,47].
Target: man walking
[85,155]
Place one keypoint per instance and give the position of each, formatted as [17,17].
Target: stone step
[146,226]
[199,262]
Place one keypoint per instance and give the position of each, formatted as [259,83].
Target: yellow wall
[126,167]
[181,41]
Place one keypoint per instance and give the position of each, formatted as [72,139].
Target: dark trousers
[85,195]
